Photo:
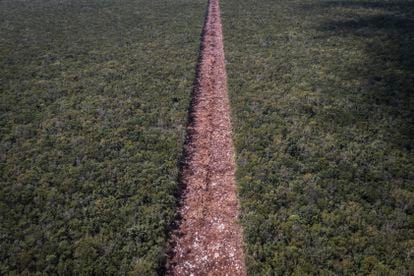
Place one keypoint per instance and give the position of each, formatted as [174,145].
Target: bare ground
[208,239]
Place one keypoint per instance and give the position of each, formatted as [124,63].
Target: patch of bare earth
[208,239]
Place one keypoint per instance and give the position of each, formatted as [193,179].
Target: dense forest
[323,104]
[94,98]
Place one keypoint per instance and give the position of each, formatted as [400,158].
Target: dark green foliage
[93,105]
[322,95]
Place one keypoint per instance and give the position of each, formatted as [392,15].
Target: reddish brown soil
[208,239]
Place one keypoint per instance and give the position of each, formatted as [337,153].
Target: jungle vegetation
[93,105]
[322,93]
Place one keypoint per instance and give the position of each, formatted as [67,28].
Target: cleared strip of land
[208,238]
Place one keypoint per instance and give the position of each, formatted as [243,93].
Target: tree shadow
[394,18]
[376,4]
[386,29]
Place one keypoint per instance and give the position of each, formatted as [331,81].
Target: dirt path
[208,239]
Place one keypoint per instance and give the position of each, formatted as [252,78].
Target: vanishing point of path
[208,239]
